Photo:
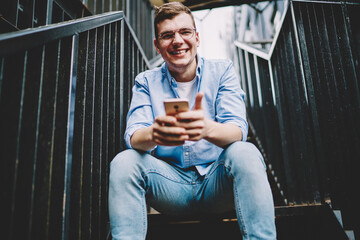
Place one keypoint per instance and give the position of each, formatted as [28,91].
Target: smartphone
[176,105]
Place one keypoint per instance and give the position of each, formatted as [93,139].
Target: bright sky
[211,25]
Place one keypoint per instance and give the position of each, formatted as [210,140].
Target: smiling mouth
[178,52]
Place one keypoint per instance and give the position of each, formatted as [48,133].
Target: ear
[197,39]
[156,44]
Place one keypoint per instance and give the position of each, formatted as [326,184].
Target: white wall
[213,26]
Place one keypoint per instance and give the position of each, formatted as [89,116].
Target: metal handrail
[32,37]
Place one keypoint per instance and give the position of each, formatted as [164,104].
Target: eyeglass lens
[185,33]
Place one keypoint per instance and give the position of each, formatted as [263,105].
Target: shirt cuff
[130,131]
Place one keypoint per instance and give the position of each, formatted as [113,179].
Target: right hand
[165,132]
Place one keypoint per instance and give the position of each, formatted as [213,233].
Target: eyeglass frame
[174,32]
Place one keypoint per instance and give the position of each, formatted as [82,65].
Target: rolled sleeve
[140,113]
[230,104]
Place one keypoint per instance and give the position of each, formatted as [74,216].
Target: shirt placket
[186,153]
[173,85]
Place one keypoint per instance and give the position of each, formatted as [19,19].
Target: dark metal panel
[11,102]
[44,166]
[42,11]
[127,78]
[107,6]
[243,76]
[57,13]
[255,104]
[106,152]
[337,100]
[289,184]
[25,14]
[305,27]
[91,6]
[72,136]
[317,104]
[120,114]
[99,7]
[350,47]
[325,85]
[118,89]
[9,9]
[272,146]
[88,161]
[98,135]
[2,63]
[60,176]
[28,144]
[78,139]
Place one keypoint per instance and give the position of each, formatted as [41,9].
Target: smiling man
[194,162]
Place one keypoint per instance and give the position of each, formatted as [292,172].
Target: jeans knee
[125,164]
[244,157]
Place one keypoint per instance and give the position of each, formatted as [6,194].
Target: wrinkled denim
[237,179]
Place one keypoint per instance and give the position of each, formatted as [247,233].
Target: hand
[167,133]
[194,122]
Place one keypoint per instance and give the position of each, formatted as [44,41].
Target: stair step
[296,223]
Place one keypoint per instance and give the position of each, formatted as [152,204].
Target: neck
[186,74]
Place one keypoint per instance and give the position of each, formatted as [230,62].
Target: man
[200,162]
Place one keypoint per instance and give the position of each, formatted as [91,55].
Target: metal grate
[304,103]
[64,93]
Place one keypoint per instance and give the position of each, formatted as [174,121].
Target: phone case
[176,105]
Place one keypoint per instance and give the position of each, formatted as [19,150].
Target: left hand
[193,121]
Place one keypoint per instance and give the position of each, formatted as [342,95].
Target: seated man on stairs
[194,162]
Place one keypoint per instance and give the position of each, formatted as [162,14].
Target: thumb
[198,99]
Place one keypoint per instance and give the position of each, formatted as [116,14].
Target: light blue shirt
[223,102]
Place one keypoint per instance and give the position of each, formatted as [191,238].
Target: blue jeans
[237,179]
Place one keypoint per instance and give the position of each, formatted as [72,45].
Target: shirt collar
[166,73]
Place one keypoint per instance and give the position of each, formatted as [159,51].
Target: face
[178,53]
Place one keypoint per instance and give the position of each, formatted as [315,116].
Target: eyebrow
[169,31]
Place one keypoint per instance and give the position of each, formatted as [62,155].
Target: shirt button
[187,153]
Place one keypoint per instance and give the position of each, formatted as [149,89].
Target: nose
[177,38]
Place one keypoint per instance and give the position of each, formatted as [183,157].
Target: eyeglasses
[185,33]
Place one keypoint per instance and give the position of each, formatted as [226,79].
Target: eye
[186,31]
[167,35]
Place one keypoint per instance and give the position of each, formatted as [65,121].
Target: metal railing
[303,101]
[64,94]
[23,14]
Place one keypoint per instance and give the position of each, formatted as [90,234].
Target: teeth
[179,52]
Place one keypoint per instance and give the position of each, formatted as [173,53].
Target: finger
[194,138]
[170,137]
[193,132]
[198,99]
[190,116]
[169,130]
[165,120]
[197,124]
[170,140]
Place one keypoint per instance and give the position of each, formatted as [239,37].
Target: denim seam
[167,177]
[238,207]
[237,203]
[144,218]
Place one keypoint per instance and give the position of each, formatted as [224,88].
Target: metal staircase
[65,89]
